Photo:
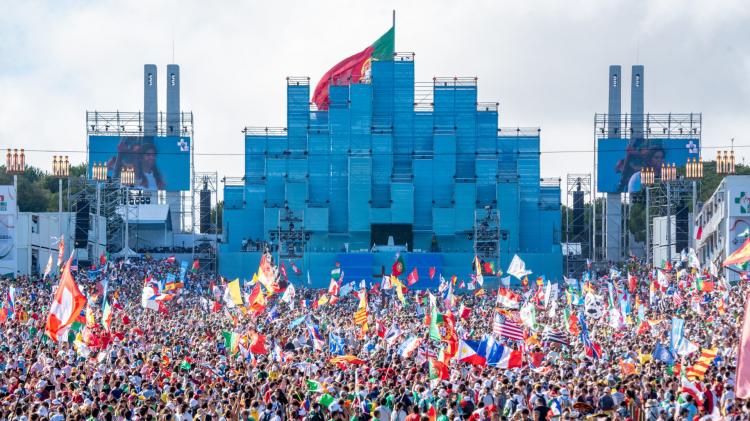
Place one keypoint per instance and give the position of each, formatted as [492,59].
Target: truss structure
[578,233]
[205,248]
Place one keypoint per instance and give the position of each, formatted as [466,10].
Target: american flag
[504,327]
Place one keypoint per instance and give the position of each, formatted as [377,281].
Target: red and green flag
[354,68]
[196,266]
[398,267]
[438,370]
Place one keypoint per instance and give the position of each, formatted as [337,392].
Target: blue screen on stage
[160,162]
[620,160]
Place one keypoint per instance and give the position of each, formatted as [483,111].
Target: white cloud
[544,61]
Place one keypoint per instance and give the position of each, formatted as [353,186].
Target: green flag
[326,400]
[434,331]
[314,386]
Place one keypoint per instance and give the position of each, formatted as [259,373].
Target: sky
[545,62]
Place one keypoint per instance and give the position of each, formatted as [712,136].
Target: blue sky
[544,61]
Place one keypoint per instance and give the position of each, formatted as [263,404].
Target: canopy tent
[126,252]
[740,256]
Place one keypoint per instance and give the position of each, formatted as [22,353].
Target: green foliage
[38,190]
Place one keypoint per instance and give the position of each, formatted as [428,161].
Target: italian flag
[66,306]
[354,68]
[231,341]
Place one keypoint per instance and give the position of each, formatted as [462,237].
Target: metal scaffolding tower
[487,234]
[205,246]
[578,233]
[666,199]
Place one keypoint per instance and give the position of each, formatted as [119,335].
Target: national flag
[740,256]
[282,271]
[231,341]
[504,327]
[337,275]
[336,344]
[66,306]
[698,232]
[326,400]
[413,277]
[438,370]
[399,289]
[698,370]
[555,336]
[354,68]
[107,316]
[196,266]
[742,381]
[256,301]
[662,353]
[288,295]
[480,292]
[398,266]
[528,315]
[295,269]
[517,268]
[48,268]
[258,343]
[103,259]
[488,268]
[333,288]
[232,294]
[74,264]
[60,250]
[592,349]
[692,388]
[432,272]
[348,359]
[507,298]
[409,346]
[314,386]
[468,353]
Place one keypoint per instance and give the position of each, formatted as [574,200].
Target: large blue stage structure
[422,165]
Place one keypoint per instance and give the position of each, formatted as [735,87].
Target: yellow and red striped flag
[698,370]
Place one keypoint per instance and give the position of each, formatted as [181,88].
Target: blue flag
[183,270]
[336,344]
[661,353]
[296,322]
[675,336]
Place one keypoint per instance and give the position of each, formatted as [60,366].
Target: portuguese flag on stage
[354,68]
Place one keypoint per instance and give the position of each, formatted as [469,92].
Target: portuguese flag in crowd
[355,67]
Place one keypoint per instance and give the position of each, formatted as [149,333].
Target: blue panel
[507,205]
[234,197]
[297,170]
[319,167]
[465,206]
[380,215]
[297,114]
[296,195]
[423,133]
[402,207]
[444,221]
[445,162]
[316,219]
[444,109]
[255,158]
[486,132]
[275,182]
[255,194]
[423,194]
[356,266]
[528,183]
[360,170]
[486,181]
[382,165]
[382,93]
[270,219]
[466,132]
[361,117]
[403,120]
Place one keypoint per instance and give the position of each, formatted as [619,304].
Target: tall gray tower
[150,104]
[613,215]
[615,101]
[636,102]
[174,129]
[173,100]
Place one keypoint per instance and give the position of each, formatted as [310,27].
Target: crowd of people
[637,343]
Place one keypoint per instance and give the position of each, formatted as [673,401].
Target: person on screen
[653,157]
[147,174]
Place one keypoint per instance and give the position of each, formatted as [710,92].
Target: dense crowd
[625,345]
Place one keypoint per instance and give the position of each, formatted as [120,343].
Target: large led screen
[160,162]
[620,160]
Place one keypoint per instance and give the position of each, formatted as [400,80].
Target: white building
[723,217]
[37,235]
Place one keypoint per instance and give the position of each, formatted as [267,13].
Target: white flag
[48,269]
[517,268]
